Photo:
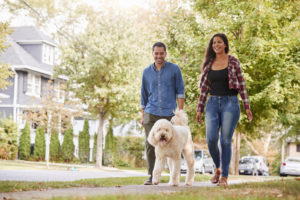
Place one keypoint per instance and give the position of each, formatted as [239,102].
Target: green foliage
[5,73]
[110,147]
[130,151]
[68,147]
[40,144]
[95,147]
[269,56]
[84,143]
[8,139]
[24,143]
[110,140]
[275,166]
[54,147]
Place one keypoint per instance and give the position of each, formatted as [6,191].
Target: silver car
[247,166]
[291,166]
[203,162]
[260,165]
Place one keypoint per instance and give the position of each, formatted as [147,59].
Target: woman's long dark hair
[210,55]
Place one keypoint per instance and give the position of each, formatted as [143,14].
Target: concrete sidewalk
[117,190]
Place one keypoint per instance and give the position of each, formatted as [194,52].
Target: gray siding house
[31,56]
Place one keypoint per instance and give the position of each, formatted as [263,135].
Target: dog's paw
[173,184]
[156,181]
[188,184]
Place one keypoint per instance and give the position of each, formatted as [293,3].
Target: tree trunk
[99,139]
[236,153]
[48,136]
[249,144]
[267,144]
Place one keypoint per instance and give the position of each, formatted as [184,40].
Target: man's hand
[142,120]
[198,117]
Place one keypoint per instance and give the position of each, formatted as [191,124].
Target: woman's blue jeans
[222,114]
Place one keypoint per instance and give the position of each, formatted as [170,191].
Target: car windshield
[198,155]
[246,160]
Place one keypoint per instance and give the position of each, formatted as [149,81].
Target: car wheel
[202,170]
[283,175]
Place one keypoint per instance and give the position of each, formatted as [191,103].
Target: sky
[23,20]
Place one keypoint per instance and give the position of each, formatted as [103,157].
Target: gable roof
[29,34]
[17,56]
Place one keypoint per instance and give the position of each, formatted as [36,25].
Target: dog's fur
[170,140]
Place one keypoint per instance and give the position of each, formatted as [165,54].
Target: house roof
[17,56]
[29,34]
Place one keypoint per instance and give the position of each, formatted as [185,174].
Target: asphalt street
[63,175]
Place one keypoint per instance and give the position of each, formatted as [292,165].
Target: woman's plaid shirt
[236,81]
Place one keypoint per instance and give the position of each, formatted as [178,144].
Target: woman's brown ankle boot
[216,177]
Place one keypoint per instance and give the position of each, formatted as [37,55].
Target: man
[162,84]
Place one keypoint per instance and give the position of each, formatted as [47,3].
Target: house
[292,147]
[31,55]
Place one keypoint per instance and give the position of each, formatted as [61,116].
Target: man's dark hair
[159,44]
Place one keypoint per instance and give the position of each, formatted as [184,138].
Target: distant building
[292,147]
[31,55]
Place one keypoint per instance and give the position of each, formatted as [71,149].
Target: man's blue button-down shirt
[160,89]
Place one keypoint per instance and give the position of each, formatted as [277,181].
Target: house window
[33,85]
[48,54]
[59,93]
[298,147]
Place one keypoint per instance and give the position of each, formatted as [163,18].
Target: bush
[8,139]
[275,167]
[68,147]
[95,147]
[130,150]
[84,143]
[109,152]
[54,147]
[24,144]
[39,145]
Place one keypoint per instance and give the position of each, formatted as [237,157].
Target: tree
[39,145]
[55,112]
[104,71]
[110,140]
[5,72]
[84,143]
[103,60]
[269,56]
[95,146]
[8,139]
[54,147]
[67,146]
[24,143]
[110,147]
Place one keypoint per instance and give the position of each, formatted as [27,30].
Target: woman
[222,79]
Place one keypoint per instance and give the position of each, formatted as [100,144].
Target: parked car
[203,162]
[291,166]
[261,165]
[247,166]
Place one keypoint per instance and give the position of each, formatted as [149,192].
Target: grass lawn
[287,189]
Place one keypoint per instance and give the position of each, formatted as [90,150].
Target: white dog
[170,140]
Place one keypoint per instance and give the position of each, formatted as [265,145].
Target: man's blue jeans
[222,113]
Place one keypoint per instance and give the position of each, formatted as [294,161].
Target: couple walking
[221,78]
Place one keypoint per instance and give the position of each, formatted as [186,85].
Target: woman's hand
[249,114]
[198,118]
